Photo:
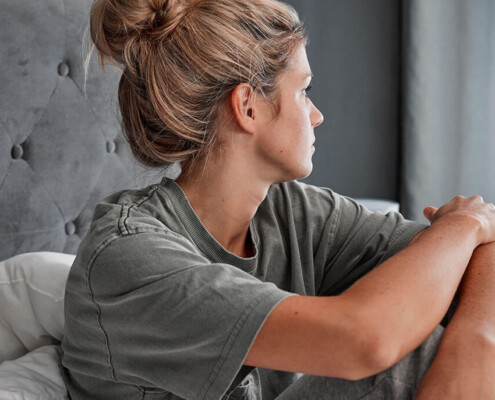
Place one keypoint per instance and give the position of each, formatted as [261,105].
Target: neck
[225,198]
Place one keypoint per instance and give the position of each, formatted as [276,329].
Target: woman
[179,290]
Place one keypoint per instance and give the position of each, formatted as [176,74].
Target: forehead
[300,64]
[298,73]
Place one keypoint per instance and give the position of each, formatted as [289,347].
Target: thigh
[398,382]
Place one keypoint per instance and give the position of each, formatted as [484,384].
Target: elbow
[379,351]
[370,363]
[378,357]
[376,348]
[363,344]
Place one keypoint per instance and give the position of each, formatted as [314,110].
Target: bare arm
[382,317]
[404,299]
[465,363]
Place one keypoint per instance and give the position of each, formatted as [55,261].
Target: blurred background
[407,89]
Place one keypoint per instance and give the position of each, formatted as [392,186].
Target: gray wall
[354,53]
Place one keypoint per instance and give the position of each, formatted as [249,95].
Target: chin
[305,170]
[308,172]
[301,173]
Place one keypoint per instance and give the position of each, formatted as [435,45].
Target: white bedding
[32,289]
[34,376]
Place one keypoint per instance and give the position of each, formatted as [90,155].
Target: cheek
[290,131]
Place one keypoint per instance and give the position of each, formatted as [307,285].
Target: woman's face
[286,141]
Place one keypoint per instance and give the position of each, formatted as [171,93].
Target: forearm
[405,298]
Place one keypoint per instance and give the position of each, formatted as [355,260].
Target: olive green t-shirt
[156,308]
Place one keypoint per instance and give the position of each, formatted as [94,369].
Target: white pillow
[32,288]
[35,376]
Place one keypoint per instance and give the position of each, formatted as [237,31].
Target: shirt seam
[95,254]
[392,243]
[331,236]
[123,227]
[333,228]
[399,233]
[171,204]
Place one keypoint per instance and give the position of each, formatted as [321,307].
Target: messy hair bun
[181,58]
[117,25]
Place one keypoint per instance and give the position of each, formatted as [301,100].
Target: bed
[61,151]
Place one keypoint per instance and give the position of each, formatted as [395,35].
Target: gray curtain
[448,143]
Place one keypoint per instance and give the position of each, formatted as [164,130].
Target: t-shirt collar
[201,237]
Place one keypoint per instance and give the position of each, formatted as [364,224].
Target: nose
[316,117]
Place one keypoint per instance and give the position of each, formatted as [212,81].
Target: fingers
[461,197]
[460,205]
[476,199]
[473,208]
[429,213]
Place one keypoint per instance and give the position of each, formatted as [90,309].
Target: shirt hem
[243,334]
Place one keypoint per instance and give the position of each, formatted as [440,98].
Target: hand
[473,209]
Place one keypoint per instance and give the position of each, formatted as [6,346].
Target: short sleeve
[358,240]
[172,319]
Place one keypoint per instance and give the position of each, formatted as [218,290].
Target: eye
[307,90]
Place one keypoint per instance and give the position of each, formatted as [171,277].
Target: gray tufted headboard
[61,147]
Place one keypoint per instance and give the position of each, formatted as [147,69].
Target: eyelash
[308,89]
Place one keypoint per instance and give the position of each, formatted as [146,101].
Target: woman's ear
[243,106]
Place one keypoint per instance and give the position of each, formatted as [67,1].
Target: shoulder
[302,200]
[316,200]
[297,211]
[300,190]
[129,211]
[137,258]
[119,263]
[143,215]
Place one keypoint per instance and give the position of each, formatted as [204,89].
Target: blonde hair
[181,59]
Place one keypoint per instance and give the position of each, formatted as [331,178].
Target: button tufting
[63,69]
[17,151]
[111,147]
[70,228]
